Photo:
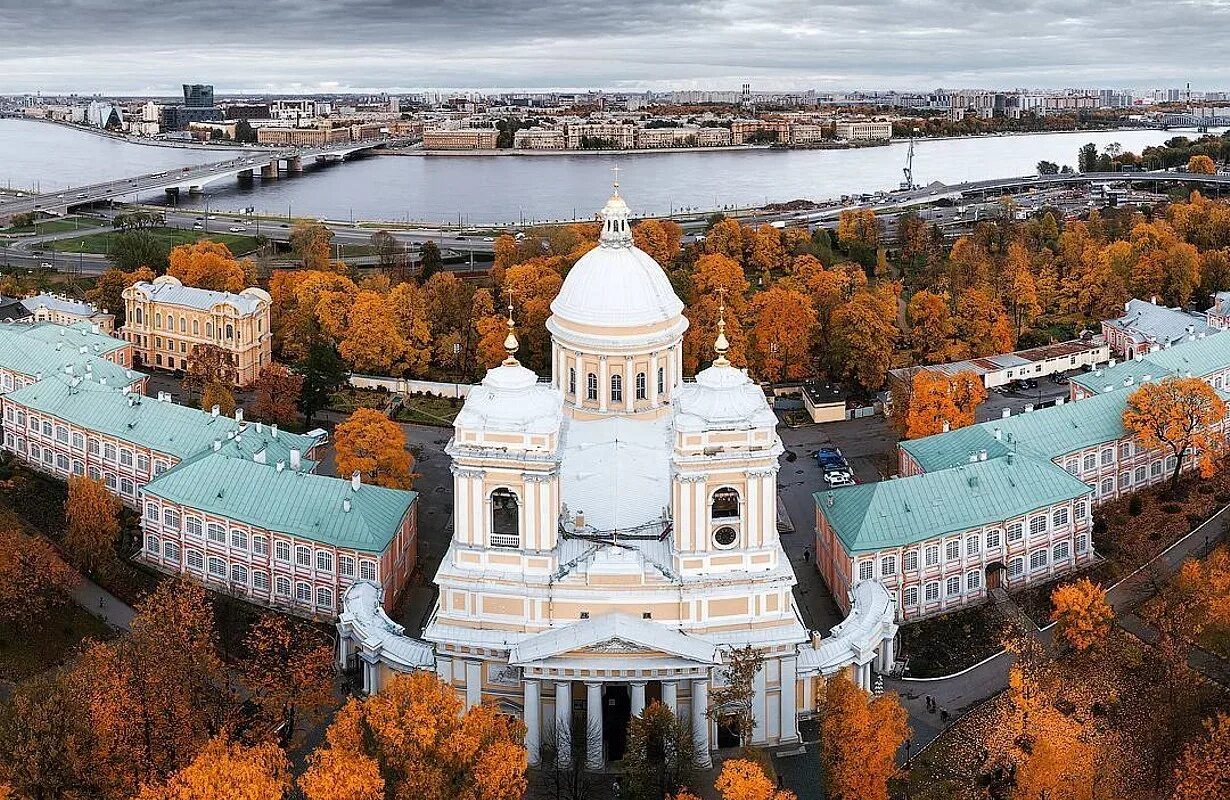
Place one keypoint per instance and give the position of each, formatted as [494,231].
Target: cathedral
[615,535]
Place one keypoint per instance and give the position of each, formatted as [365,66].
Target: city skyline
[782,45]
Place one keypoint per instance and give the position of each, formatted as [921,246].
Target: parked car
[836,479]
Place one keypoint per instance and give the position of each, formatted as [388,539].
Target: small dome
[723,397]
[510,398]
[617,284]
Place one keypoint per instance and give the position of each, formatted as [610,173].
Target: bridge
[269,165]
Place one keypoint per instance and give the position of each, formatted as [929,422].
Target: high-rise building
[198,95]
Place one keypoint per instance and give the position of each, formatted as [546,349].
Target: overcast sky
[152,46]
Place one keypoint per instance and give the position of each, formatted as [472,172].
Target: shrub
[1135,505]
[1172,508]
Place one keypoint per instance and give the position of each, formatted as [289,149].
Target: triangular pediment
[613,634]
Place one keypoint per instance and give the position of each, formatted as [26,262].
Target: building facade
[167,320]
[1145,325]
[31,350]
[460,139]
[614,135]
[65,311]
[864,130]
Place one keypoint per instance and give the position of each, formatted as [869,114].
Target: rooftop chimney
[294,459]
[1007,412]
[946,426]
[239,415]
[213,412]
[356,481]
[281,465]
[346,504]
[273,430]
[217,445]
[999,434]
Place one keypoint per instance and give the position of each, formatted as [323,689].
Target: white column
[891,649]
[532,716]
[789,704]
[751,512]
[670,696]
[701,509]
[480,506]
[768,499]
[548,521]
[604,383]
[629,385]
[343,650]
[563,723]
[638,698]
[683,516]
[652,377]
[369,677]
[474,683]
[700,721]
[444,669]
[760,695]
[529,513]
[593,726]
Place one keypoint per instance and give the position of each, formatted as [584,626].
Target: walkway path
[102,604]
[962,691]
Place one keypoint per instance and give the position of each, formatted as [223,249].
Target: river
[483,189]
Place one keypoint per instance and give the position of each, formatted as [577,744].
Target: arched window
[183,324]
[641,389]
[209,330]
[157,320]
[230,331]
[725,504]
[591,386]
[140,317]
[661,380]
[572,380]
[617,388]
[505,519]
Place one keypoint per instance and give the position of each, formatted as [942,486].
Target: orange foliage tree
[288,669]
[210,265]
[860,737]
[1203,771]
[935,399]
[659,238]
[373,445]
[417,737]
[1176,414]
[228,771]
[743,779]
[218,394]
[371,341]
[277,395]
[1201,165]
[33,579]
[866,332]
[1081,614]
[931,327]
[782,323]
[716,280]
[725,238]
[531,287]
[764,251]
[93,528]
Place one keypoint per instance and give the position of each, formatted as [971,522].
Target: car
[488,239]
[838,479]
[81,195]
[196,226]
[236,229]
[211,216]
[45,265]
[187,169]
[198,219]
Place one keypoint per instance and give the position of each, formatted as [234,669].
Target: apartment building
[741,130]
[301,137]
[864,130]
[460,139]
[1205,356]
[166,321]
[64,310]
[614,135]
[540,139]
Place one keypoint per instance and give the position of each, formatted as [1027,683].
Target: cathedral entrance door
[616,711]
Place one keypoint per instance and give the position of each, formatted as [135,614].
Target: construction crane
[908,184]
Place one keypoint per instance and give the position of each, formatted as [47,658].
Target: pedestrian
[100,601]
[944,715]
[806,555]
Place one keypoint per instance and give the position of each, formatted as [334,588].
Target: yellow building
[167,320]
[461,139]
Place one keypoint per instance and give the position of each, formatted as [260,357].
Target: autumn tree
[385,246]
[373,445]
[34,580]
[210,265]
[859,738]
[218,394]
[1020,289]
[93,525]
[659,238]
[1081,614]
[1203,771]
[288,669]
[313,243]
[416,738]
[725,239]
[743,779]
[736,694]
[371,341]
[717,280]
[1201,165]
[939,402]
[764,252]
[409,309]
[228,771]
[1059,764]
[982,324]
[660,756]
[207,364]
[108,291]
[530,287]
[1176,415]
[277,395]
[783,320]
[859,233]
[865,333]
[430,261]
[929,315]
[46,747]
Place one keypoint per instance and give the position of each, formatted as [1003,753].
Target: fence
[409,385]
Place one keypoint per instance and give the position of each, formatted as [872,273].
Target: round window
[725,537]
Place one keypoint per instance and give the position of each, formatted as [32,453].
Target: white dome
[616,284]
[722,397]
[510,398]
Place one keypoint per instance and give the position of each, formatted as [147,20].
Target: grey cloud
[124,46]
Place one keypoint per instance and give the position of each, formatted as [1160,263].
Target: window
[196,327]
[952,550]
[367,570]
[160,467]
[281,551]
[109,452]
[1155,469]
[170,550]
[324,561]
[973,581]
[239,574]
[1108,487]
[239,539]
[78,441]
[661,380]
[260,545]
[725,504]
[126,487]
[1060,552]
[1059,519]
[282,585]
[1108,456]
[932,555]
[932,592]
[1082,543]
[151,544]
[1078,510]
[1015,567]
[952,587]
[1037,526]
[1073,466]
[1091,462]
[151,512]
[1142,474]
[505,519]
[909,562]
[47,431]
[617,388]
[1015,532]
[170,519]
[303,556]
[195,560]
[62,464]
[973,546]
[345,566]
[217,567]
[324,598]
[993,539]
[572,380]
[1037,560]
[61,434]
[1125,479]
[642,391]
[216,532]
[866,570]
[125,458]
[260,581]
[591,386]
[303,593]
[888,565]
[910,597]
[142,463]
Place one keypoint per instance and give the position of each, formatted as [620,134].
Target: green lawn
[345,401]
[26,653]
[101,242]
[427,410]
[56,226]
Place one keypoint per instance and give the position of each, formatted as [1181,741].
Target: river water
[483,189]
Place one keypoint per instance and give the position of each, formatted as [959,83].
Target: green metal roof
[1047,433]
[34,349]
[903,511]
[298,503]
[165,427]
[1198,357]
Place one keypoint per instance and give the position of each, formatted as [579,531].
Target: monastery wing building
[615,534]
